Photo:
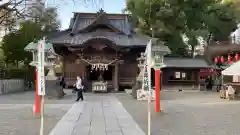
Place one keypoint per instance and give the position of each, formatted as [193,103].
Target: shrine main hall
[102,48]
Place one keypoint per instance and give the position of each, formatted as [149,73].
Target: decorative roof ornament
[101,10]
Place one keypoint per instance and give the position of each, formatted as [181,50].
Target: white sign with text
[40,67]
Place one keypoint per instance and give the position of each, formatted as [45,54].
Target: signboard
[177,75]
[183,75]
[236,78]
[40,67]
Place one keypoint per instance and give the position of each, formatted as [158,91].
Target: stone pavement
[97,115]
[187,113]
[17,118]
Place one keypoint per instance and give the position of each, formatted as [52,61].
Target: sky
[66,7]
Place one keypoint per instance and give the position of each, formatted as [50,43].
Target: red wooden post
[38,98]
[157,89]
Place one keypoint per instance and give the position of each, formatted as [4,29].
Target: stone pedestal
[144,95]
[53,88]
[137,86]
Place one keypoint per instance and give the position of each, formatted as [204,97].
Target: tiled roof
[118,39]
[79,22]
[77,33]
[186,63]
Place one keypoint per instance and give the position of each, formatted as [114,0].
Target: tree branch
[8,9]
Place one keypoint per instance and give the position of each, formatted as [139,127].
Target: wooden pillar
[157,89]
[116,77]
[64,66]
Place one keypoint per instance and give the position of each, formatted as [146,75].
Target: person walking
[79,89]
[209,83]
[219,82]
[62,82]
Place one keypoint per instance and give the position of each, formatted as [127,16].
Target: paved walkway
[97,115]
[17,117]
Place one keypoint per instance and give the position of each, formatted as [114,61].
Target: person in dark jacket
[219,82]
[62,82]
[209,83]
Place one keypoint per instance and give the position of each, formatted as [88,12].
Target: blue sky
[65,8]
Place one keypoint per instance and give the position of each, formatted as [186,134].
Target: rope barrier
[93,64]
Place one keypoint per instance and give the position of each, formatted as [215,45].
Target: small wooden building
[183,71]
[102,48]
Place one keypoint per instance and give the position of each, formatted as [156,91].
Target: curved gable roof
[84,21]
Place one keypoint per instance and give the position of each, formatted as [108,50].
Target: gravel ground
[187,113]
[17,118]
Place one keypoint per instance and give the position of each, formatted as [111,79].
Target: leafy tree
[170,19]
[221,21]
[158,15]
[15,42]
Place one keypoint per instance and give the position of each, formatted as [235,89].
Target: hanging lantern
[222,59]
[229,59]
[216,59]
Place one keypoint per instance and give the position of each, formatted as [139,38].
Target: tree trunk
[192,51]
[209,38]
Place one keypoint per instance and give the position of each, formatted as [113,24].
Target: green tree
[221,21]
[170,19]
[15,42]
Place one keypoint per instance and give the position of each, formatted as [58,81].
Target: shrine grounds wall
[11,85]
[16,79]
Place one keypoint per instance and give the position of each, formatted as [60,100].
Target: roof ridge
[99,16]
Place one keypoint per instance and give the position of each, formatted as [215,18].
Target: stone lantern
[49,53]
[52,89]
[138,83]
[158,51]
[141,63]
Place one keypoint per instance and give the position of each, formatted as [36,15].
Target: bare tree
[12,11]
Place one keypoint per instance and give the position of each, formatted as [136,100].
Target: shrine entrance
[98,75]
[100,64]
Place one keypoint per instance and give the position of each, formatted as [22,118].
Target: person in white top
[79,88]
